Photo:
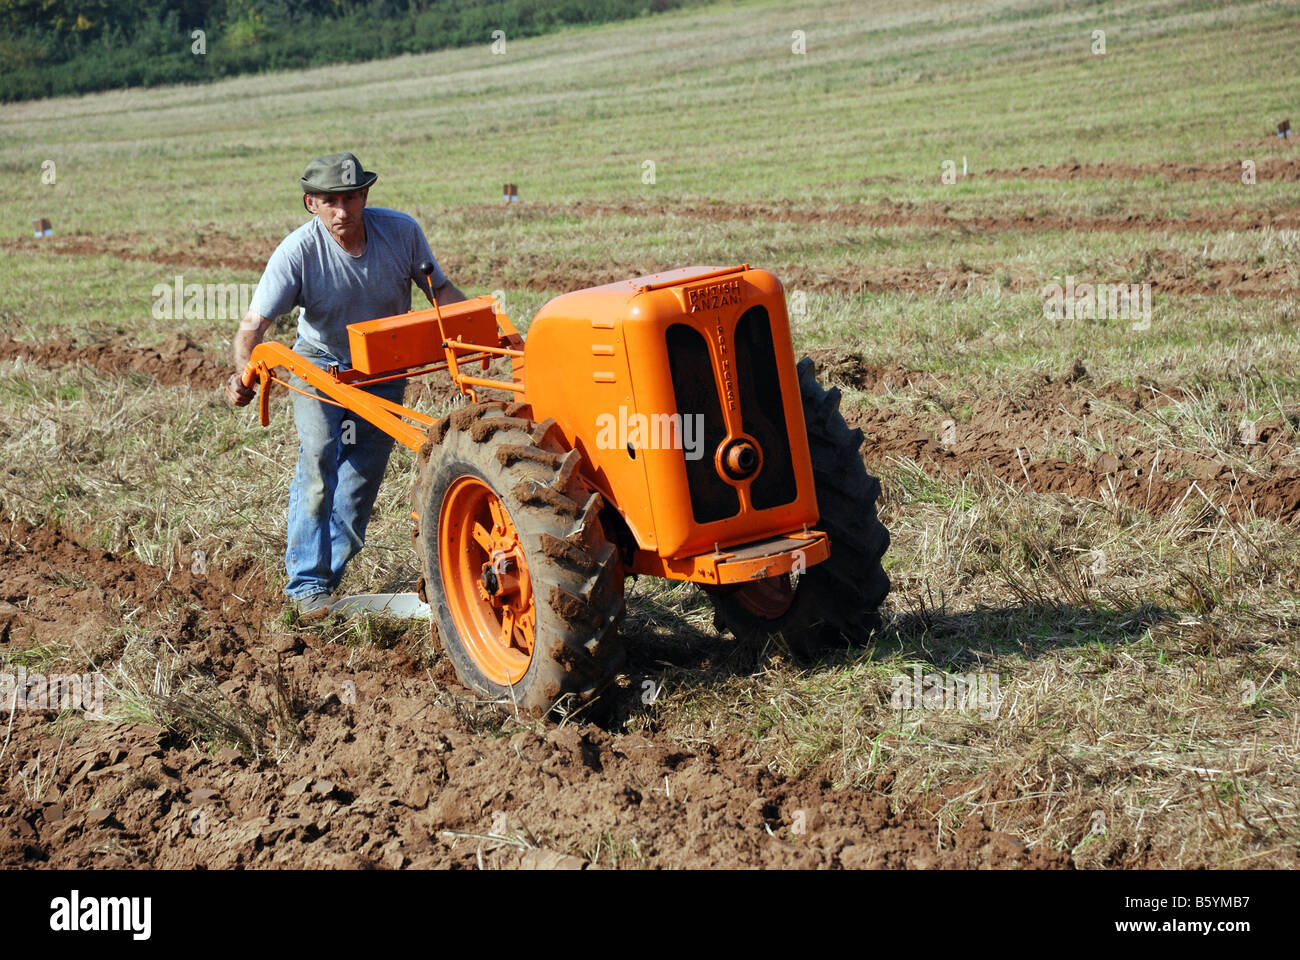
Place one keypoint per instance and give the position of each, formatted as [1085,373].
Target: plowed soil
[1168,272]
[1278,169]
[212,250]
[1013,436]
[381,759]
[1008,437]
[932,216]
[1171,272]
[176,361]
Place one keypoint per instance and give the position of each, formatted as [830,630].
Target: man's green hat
[336,173]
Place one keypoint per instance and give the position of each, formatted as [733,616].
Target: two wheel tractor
[657,427]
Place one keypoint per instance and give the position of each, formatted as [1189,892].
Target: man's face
[339,212]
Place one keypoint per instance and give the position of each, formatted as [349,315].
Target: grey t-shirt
[310,270]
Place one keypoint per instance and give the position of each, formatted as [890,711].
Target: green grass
[574,115]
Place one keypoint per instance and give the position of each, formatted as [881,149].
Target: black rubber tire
[576,573]
[836,602]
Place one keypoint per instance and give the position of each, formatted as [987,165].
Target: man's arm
[251,330]
[276,294]
[448,293]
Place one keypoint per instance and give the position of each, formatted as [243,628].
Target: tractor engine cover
[680,391]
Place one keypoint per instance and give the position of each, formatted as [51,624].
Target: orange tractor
[656,426]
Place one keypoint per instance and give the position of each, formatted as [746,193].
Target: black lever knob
[426,270]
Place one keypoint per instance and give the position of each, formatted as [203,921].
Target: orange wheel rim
[485,578]
[768,598]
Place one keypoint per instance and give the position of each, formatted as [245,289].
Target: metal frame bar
[384,414]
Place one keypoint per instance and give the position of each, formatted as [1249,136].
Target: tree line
[57,47]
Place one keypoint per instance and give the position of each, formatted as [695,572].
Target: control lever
[426,270]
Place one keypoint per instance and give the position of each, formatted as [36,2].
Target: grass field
[1036,471]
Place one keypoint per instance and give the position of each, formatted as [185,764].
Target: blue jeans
[341,462]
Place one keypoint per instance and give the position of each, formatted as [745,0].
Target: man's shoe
[312,608]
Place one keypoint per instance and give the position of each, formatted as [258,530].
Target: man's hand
[249,335]
[238,395]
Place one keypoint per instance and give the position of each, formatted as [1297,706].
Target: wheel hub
[485,574]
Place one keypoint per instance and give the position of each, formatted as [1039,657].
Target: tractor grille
[758,389]
[712,498]
[762,409]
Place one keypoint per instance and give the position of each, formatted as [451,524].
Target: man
[347,264]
